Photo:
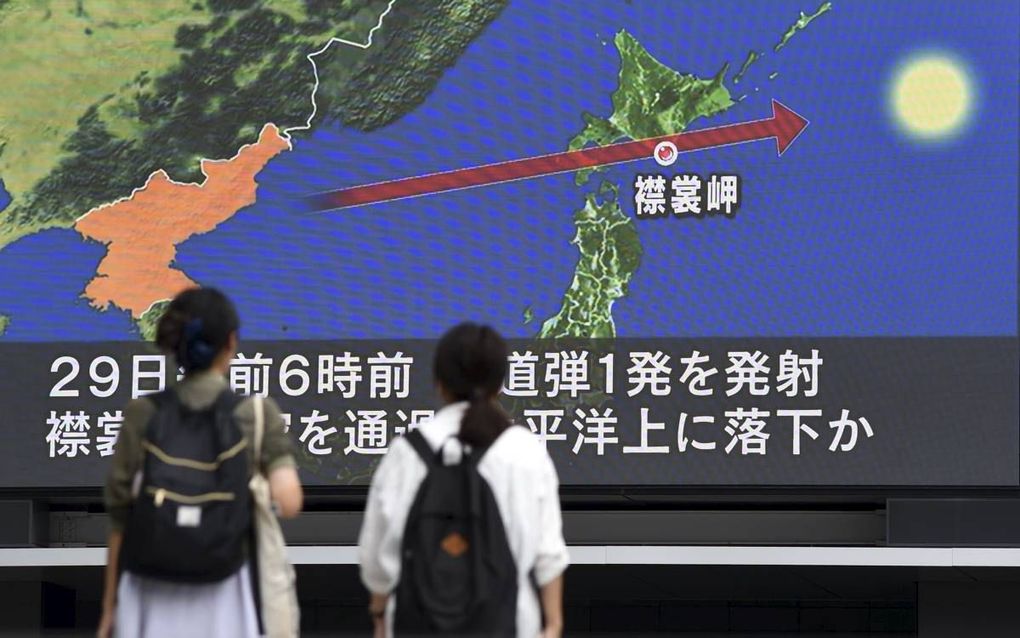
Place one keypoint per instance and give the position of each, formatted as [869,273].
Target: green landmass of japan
[610,253]
[650,100]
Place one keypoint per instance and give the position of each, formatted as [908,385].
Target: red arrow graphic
[784,125]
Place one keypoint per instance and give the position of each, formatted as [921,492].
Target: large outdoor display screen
[731,243]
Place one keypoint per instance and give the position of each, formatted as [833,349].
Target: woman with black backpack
[462,531]
[178,493]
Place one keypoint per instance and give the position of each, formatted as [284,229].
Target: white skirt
[150,608]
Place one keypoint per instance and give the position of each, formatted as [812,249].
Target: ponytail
[470,365]
[196,327]
[483,422]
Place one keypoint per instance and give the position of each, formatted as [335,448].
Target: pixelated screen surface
[865,277]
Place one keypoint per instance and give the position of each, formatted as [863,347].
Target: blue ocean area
[858,230]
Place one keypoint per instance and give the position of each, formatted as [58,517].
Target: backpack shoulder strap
[260,425]
[421,446]
[162,402]
[162,397]
[228,400]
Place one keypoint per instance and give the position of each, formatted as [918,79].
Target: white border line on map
[325,47]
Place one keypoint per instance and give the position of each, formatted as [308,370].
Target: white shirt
[524,483]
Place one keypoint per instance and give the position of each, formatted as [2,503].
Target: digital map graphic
[132,137]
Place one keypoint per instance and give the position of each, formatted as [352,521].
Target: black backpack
[192,516]
[457,575]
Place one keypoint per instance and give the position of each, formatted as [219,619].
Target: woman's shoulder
[138,411]
[401,455]
[521,437]
[520,447]
[399,467]
[245,408]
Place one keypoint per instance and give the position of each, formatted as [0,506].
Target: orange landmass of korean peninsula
[142,232]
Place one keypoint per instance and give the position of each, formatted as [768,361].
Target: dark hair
[470,364]
[196,327]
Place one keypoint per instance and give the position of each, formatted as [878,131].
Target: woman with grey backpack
[197,479]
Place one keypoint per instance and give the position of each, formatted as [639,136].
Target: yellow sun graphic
[931,96]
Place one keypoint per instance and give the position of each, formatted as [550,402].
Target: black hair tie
[197,352]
